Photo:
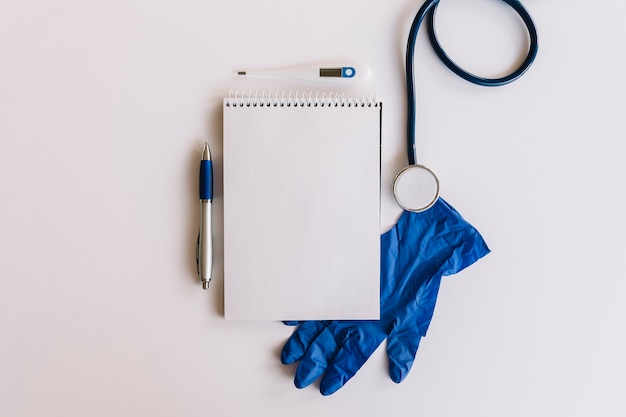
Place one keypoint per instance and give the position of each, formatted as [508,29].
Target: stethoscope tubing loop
[428,10]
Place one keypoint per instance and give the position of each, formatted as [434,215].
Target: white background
[103,110]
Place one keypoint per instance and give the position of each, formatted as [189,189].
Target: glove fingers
[401,350]
[349,359]
[301,339]
[316,358]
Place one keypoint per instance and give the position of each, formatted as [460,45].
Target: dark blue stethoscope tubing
[428,10]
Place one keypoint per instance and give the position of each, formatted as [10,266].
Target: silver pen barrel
[205,246]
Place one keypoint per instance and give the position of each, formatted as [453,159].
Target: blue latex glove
[418,250]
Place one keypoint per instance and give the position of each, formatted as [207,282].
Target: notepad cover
[301,212]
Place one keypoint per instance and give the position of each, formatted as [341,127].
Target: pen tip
[205,285]
[206,152]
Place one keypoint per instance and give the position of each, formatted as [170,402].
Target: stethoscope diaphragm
[416,188]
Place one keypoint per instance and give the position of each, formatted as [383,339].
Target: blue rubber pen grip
[206,180]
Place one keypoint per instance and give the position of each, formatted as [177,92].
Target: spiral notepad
[301,206]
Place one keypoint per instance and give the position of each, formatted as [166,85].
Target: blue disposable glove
[418,250]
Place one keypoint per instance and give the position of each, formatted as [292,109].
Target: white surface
[301,211]
[103,110]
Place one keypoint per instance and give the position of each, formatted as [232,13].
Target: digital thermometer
[339,74]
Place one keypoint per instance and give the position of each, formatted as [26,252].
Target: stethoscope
[416,187]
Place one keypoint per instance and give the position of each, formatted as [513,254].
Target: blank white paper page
[301,212]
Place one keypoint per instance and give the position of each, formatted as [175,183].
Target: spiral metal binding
[263,98]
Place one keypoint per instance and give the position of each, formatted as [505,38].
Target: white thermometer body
[339,74]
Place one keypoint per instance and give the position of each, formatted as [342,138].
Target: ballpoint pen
[204,247]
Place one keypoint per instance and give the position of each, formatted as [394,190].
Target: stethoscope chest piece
[416,188]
